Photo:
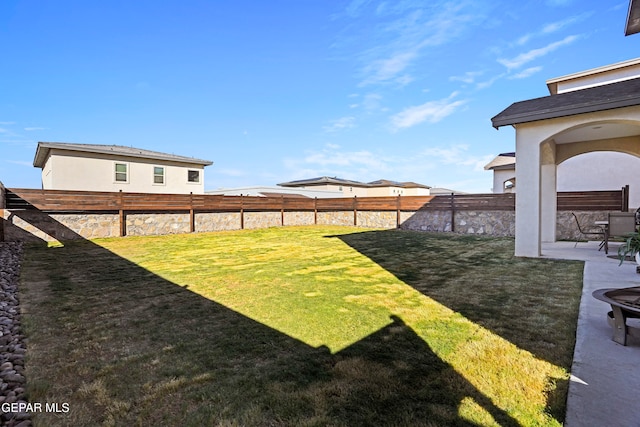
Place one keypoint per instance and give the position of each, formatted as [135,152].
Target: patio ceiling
[597,131]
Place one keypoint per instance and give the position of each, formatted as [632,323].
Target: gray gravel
[12,339]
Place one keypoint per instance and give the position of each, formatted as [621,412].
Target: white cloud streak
[432,111]
[341,124]
[526,73]
[407,38]
[457,155]
[529,56]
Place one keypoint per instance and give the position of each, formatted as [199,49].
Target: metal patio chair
[591,231]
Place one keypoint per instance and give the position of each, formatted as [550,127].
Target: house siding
[65,170]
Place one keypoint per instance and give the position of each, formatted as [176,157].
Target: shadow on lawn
[122,345]
[502,301]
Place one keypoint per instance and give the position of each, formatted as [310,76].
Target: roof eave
[39,160]
[563,112]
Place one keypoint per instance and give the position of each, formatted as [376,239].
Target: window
[193,176]
[121,172]
[158,175]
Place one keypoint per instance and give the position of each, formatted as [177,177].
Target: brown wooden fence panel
[78,201]
[388,203]
[298,204]
[414,203]
[338,204]
[56,200]
[484,202]
[591,201]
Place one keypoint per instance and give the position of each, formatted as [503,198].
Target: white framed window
[158,175]
[121,172]
[193,176]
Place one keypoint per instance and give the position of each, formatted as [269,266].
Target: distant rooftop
[42,152]
[502,161]
[612,73]
[324,180]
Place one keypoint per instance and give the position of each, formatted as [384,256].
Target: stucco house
[92,167]
[348,188]
[591,111]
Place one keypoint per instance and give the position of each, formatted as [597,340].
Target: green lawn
[301,326]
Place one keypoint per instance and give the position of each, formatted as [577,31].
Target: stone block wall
[567,229]
[335,218]
[35,226]
[217,221]
[254,220]
[157,224]
[38,226]
[298,218]
[376,219]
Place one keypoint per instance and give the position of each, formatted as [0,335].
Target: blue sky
[272,91]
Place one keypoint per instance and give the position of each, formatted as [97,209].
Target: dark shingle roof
[321,181]
[606,97]
[339,181]
[42,152]
[389,183]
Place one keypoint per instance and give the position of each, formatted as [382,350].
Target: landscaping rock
[12,339]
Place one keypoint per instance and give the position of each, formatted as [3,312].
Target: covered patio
[590,111]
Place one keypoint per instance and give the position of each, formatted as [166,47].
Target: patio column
[548,192]
[528,190]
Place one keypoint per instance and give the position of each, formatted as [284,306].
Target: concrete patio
[605,375]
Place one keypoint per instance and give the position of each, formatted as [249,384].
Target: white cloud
[468,77]
[339,158]
[403,41]
[353,8]
[372,102]
[526,73]
[487,83]
[432,111]
[552,27]
[333,161]
[529,56]
[34,128]
[383,70]
[341,124]
[457,155]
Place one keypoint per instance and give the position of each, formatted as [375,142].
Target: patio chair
[621,224]
[590,231]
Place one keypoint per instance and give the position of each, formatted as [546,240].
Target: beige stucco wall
[500,176]
[536,173]
[65,170]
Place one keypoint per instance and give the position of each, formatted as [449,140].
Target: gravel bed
[12,340]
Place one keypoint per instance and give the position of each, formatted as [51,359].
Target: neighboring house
[91,167]
[350,188]
[504,173]
[272,191]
